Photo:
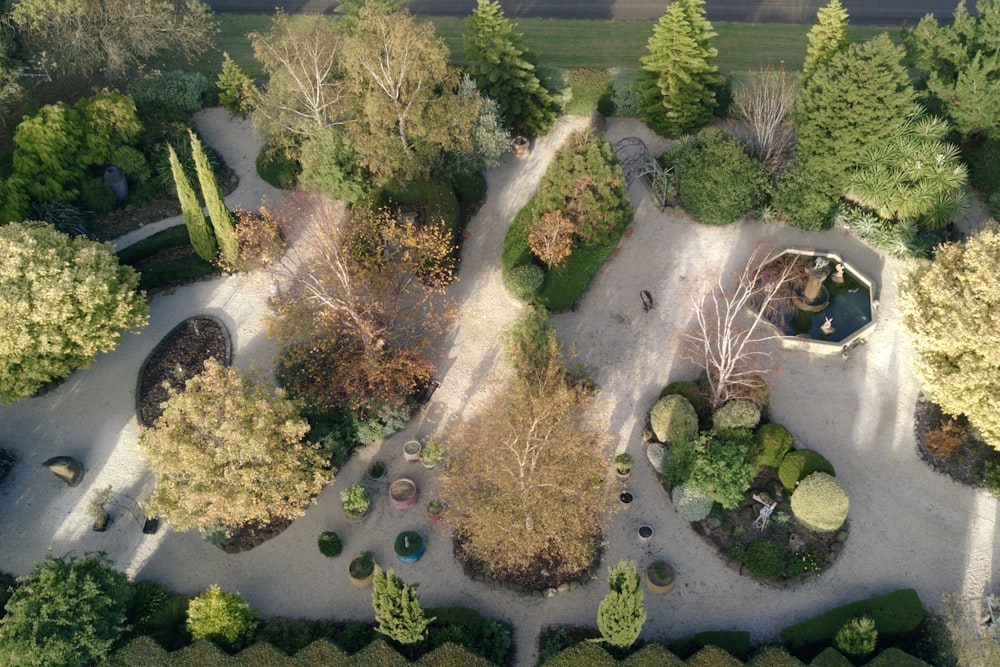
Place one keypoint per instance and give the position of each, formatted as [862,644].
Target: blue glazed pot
[413,558]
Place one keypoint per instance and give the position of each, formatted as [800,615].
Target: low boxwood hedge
[733,642]
[896,614]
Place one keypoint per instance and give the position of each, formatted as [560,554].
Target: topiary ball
[771,443]
[800,464]
[765,559]
[329,544]
[691,503]
[523,282]
[820,503]
[736,414]
[857,637]
[673,418]
[694,392]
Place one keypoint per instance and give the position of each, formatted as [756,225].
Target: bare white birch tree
[763,102]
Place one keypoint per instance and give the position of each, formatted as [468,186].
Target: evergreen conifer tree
[827,38]
[621,614]
[221,217]
[234,86]
[676,81]
[505,71]
[397,609]
[202,238]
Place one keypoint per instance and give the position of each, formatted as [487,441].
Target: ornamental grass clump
[820,503]
[673,418]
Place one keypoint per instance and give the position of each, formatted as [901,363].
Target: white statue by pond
[827,327]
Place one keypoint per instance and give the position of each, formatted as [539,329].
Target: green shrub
[802,562]
[721,470]
[355,501]
[408,543]
[799,464]
[803,199]
[276,167]
[693,391]
[896,614]
[168,624]
[288,635]
[984,166]
[97,196]
[624,94]
[523,282]
[772,442]
[328,164]
[830,657]
[435,194]
[673,419]
[901,238]
[893,657]
[774,656]
[820,503]
[383,423]
[495,640]
[691,503]
[718,183]
[140,651]
[515,244]
[470,188]
[713,656]
[330,544]
[736,414]
[180,91]
[678,460]
[577,655]
[765,559]
[146,600]
[857,637]
[224,618]
[652,655]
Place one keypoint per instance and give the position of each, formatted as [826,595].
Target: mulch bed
[542,575]
[970,455]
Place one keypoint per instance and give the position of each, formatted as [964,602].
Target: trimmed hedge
[896,614]
[774,656]
[584,654]
[171,237]
[772,442]
[652,655]
[712,656]
[801,463]
[728,642]
[673,419]
[830,657]
[893,657]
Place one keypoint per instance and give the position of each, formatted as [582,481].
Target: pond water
[849,307]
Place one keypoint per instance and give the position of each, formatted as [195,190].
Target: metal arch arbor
[637,163]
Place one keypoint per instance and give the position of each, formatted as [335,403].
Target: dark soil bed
[949,446]
[179,356]
[541,575]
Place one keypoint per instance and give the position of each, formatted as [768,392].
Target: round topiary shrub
[820,503]
[673,418]
[800,464]
[691,503]
[857,637]
[329,544]
[765,559]
[523,282]
[694,392]
[736,414]
[771,443]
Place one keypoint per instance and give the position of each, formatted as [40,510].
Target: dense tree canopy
[68,612]
[65,301]
[227,452]
[949,313]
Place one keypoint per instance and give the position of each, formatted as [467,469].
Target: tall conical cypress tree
[397,609]
[621,614]
[201,235]
[222,219]
[504,70]
[826,39]
[676,81]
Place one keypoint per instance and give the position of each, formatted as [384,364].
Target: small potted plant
[411,450]
[521,146]
[329,544]
[623,466]
[361,569]
[660,577]
[97,508]
[402,493]
[409,546]
[432,452]
[355,501]
[376,471]
[435,509]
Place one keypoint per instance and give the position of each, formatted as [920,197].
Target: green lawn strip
[168,272]
[895,614]
[588,86]
[171,237]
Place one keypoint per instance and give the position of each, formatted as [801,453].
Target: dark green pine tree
[676,81]
[621,614]
[855,102]
[397,609]
[222,219]
[202,238]
[505,71]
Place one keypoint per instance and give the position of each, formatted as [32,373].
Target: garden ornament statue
[765,511]
[838,273]
[827,327]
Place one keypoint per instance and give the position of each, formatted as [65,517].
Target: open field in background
[571,44]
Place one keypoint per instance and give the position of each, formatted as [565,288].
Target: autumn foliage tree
[227,452]
[539,503]
[361,308]
[551,238]
[65,300]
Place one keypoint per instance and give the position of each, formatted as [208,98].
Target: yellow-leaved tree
[948,310]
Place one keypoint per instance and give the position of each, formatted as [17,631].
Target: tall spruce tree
[853,103]
[621,614]
[505,71]
[397,609]
[221,217]
[202,238]
[676,81]
[827,38]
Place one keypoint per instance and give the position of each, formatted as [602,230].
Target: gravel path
[909,526]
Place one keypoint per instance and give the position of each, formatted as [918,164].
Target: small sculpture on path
[827,327]
[838,273]
[66,468]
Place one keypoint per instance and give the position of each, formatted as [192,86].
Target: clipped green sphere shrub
[672,419]
[694,392]
[772,442]
[820,503]
[329,544]
[523,282]
[857,637]
[800,464]
[736,414]
[765,559]
[691,503]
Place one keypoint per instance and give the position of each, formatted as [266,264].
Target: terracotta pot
[622,476]
[411,450]
[403,493]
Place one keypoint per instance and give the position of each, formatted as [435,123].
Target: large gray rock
[66,468]
[655,453]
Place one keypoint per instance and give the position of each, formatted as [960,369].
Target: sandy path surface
[909,526]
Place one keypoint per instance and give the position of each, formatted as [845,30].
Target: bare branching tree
[764,101]
[733,325]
